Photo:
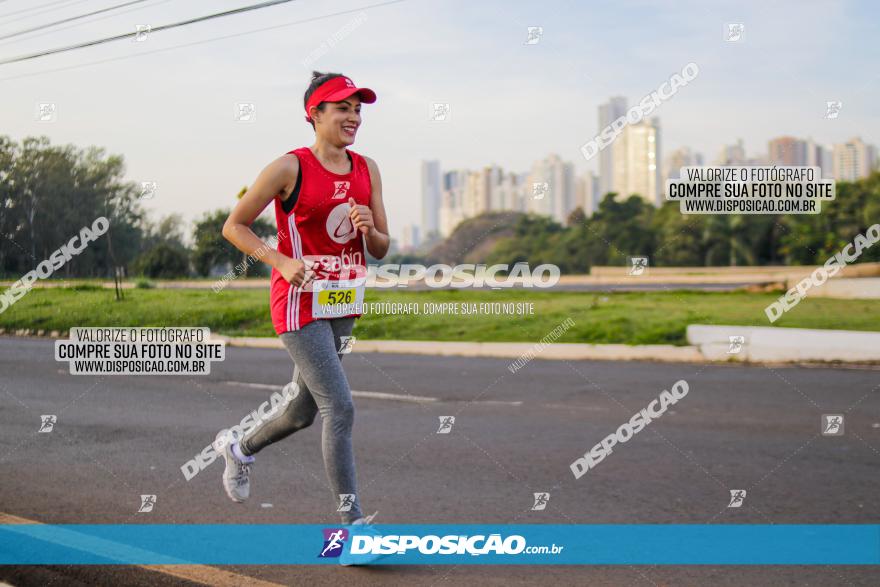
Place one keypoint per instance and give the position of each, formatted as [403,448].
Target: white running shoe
[364,527]
[367,520]
[236,475]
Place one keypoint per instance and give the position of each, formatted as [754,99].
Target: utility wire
[204,41]
[32,8]
[73,26]
[152,29]
[70,19]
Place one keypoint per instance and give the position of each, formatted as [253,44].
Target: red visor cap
[337,90]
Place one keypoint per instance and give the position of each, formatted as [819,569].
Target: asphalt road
[740,427]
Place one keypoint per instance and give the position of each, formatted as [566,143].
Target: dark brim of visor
[367,95]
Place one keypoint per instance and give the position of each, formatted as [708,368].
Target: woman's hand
[361,216]
[295,271]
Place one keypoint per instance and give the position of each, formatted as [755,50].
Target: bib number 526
[339,296]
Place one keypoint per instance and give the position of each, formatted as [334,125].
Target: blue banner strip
[289,544]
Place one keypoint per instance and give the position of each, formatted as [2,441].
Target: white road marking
[367,394]
[495,402]
[396,397]
[575,407]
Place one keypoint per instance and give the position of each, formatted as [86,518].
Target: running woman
[328,206]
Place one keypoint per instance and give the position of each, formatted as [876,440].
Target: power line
[73,26]
[204,41]
[152,29]
[70,19]
[32,8]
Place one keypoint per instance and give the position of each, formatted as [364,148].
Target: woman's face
[339,121]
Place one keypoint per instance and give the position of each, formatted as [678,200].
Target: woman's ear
[314,113]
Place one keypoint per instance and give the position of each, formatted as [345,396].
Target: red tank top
[318,228]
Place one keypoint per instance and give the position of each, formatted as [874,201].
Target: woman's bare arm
[377,238]
[277,178]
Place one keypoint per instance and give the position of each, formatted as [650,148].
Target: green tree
[212,249]
[619,229]
[813,238]
[164,261]
[49,193]
[164,253]
[679,237]
[535,240]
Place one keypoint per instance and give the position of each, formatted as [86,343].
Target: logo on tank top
[339,225]
[341,189]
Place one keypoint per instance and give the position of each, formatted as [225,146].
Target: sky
[167,104]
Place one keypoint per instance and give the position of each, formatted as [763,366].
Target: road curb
[780,345]
[504,350]
[710,345]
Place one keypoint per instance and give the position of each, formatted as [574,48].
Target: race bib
[332,299]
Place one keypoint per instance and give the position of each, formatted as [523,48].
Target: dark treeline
[633,227]
[49,193]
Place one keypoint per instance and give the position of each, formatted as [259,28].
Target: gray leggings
[322,387]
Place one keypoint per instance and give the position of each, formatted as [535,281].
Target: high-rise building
[467,193]
[637,161]
[819,156]
[495,193]
[681,157]
[431,196]
[587,193]
[540,189]
[787,151]
[608,113]
[452,201]
[476,195]
[853,159]
[506,192]
[410,241]
[550,190]
[563,177]
[732,155]
[594,187]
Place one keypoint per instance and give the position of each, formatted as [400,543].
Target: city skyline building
[788,151]
[552,187]
[853,159]
[636,154]
[431,196]
[608,113]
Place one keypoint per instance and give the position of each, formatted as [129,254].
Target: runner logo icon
[446,423]
[541,500]
[346,500]
[47,422]
[638,265]
[334,540]
[737,496]
[736,344]
[147,503]
[341,189]
[832,424]
[346,343]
